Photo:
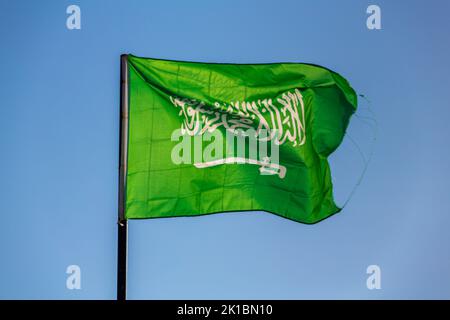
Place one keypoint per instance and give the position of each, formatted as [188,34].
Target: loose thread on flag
[372,122]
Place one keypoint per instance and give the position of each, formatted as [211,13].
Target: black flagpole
[122,221]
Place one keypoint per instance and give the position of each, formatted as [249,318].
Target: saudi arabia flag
[204,138]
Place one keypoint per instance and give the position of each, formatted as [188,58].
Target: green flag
[206,138]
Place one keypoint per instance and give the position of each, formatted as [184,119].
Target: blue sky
[59,125]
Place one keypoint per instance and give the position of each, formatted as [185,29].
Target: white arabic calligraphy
[283,122]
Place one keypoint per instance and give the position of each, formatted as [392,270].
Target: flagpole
[122,224]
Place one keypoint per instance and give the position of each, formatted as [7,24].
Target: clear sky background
[59,125]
